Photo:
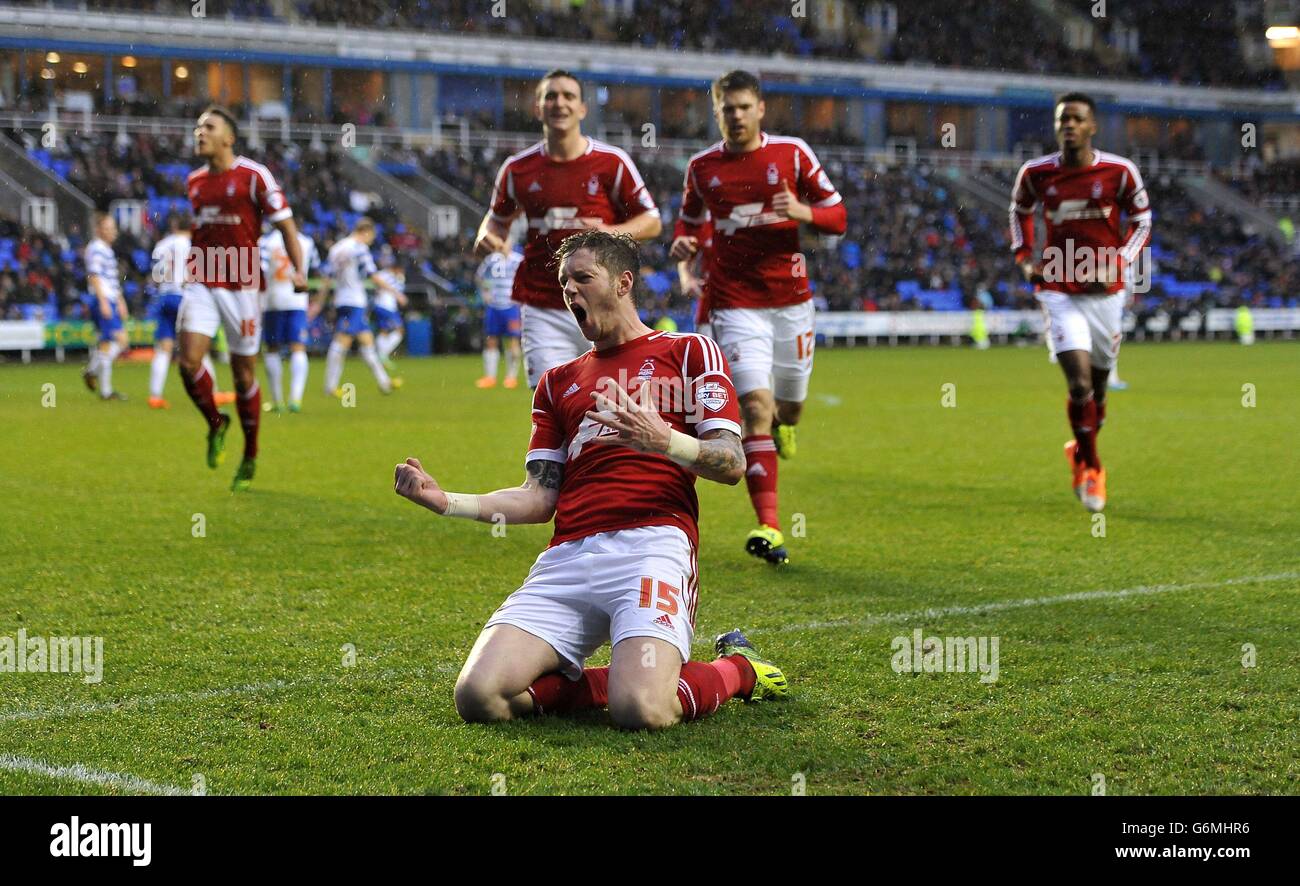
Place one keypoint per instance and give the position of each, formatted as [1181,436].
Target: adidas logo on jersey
[572,389]
[534,188]
[665,621]
[715,182]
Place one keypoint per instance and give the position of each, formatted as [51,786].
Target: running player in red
[230,196]
[757,189]
[1081,281]
[619,436]
[567,182]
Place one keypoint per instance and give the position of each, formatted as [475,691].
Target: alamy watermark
[919,654]
[21,654]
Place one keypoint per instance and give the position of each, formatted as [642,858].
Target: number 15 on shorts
[665,599]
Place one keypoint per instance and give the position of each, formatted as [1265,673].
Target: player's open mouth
[579,313]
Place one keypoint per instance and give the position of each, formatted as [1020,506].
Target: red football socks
[704,686]
[200,390]
[1083,421]
[249,405]
[760,478]
[557,694]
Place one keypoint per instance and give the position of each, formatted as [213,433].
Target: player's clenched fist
[684,247]
[411,481]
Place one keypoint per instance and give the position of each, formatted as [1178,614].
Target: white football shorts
[605,588]
[1092,323]
[204,309]
[549,337]
[768,348]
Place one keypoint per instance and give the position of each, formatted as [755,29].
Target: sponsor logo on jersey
[1051,191]
[572,389]
[715,182]
[711,395]
[534,187]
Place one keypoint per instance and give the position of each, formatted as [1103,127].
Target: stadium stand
[1137,39]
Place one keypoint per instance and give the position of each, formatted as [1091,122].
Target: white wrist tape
[461,506]
[683,448]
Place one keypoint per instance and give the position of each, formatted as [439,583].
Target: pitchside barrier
[955,327]
[833,327]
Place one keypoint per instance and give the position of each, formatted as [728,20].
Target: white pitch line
[85,708]
[1002,605]
[87,775]
[198,695]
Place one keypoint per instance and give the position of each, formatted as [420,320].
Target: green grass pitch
[224,654]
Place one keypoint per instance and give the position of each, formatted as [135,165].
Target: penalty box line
[202,695]
[932,613]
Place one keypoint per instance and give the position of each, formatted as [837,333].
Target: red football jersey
[603,183]
[754,260]
[229,209]
[608,487]
[1082,206]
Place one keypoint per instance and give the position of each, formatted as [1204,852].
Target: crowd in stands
[1011,35]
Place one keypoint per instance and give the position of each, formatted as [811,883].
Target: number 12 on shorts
[804,345]
[667,595]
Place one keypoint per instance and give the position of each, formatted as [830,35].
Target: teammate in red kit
[619,436]
[567,182]
[1081,281]
[757,188]
[230,196]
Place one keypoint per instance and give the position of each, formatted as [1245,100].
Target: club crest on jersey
[230,189]
[593,186]
[647,370]
[773,175]
[712,395]
[1096,190]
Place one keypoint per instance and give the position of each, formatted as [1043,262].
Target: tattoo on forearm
[548,474]
[722,454]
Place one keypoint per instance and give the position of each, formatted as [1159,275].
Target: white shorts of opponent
[768,348]
[549,337]
[1092,323]
[607,587]
[204,309]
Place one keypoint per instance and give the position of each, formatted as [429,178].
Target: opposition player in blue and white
[108,307]
[284,317]
[170,255]
[387,310]
[349,266]
[495,279]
